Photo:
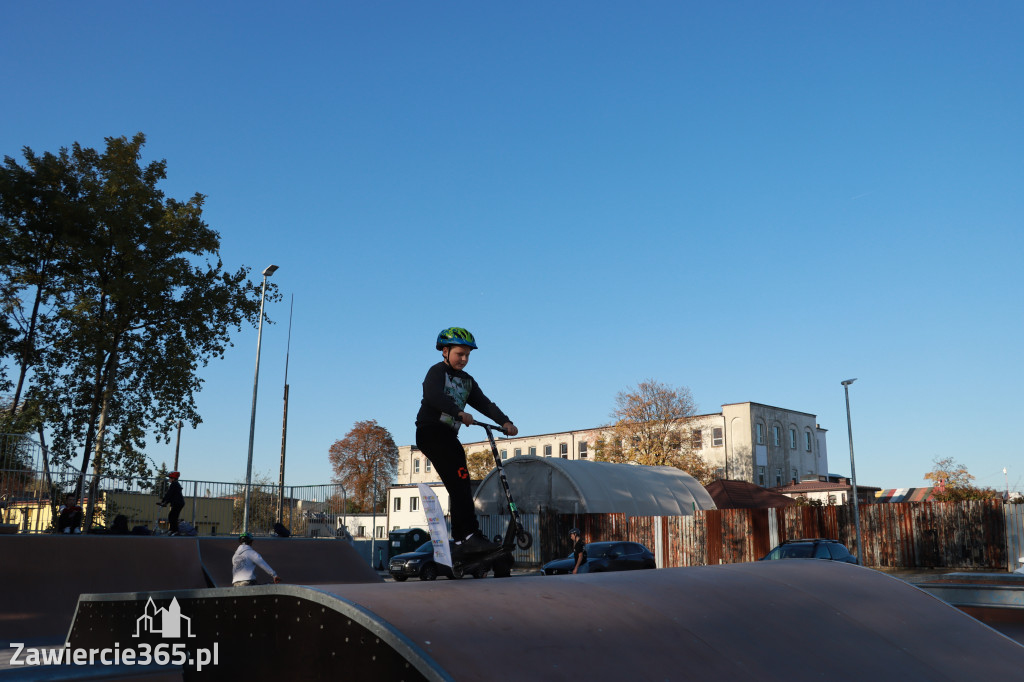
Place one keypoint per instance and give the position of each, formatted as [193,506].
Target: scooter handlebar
[489,426]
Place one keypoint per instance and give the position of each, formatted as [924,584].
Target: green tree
[365,462]
[141,301]
[42,221]
[954,483]
[650,428]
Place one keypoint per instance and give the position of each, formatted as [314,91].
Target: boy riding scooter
[447,389]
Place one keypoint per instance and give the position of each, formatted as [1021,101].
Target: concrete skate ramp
[779,620]
[41,576]
[302,561]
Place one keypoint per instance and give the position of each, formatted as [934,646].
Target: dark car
[605,556]
[811,548]
[421,564]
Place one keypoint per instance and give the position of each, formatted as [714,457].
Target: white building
[761,444]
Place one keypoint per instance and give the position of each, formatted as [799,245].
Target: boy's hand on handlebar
[466,418]
[509,428]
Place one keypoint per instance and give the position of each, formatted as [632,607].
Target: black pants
[440,444]
[172,517]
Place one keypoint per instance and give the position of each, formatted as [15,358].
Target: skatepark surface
[43,575]
[785,620]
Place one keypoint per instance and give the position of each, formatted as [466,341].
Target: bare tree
[650,428]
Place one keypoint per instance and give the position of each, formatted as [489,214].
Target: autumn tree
[365,462]
[954,483]
[650,428]
[480,464]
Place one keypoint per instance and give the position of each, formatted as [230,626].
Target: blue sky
[754,200]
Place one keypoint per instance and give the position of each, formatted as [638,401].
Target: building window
[516,452]
[416,465]
[760,433]
[380,532]
[776,436]
[532,451]
[716,437]
[697,439]
[504,454]
[778,477]
[796,474]
[760,476]
[428,465]
[807,440]
[414,503]
[583,449]
[360,531]
[563,450]
[398,504]
[547,450]
[792,439]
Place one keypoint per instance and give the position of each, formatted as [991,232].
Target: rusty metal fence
[977,534]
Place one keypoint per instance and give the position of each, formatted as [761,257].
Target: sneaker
[475,544]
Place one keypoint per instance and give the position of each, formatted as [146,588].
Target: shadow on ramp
[786,620]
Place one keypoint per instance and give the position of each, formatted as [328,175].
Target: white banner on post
[437,525]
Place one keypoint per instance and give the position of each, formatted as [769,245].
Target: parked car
[605,556]
[420,563]
[811,548]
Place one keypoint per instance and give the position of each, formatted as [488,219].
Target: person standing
[447,389]
[579,551]
[244,563]
[176,499]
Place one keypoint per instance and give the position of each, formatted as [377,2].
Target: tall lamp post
[853,468]
[270,270]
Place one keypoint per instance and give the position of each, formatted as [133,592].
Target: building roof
[812,486]
[574,486]
[906,494]
[745,495]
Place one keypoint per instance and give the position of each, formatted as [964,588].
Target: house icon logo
[167,622]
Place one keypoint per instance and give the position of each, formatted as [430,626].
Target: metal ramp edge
[277,644]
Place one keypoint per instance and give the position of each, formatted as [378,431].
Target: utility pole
[284,424]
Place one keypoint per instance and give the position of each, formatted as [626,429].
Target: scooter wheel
[524,540]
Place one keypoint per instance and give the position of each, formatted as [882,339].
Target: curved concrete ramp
[301,561]
[786,620]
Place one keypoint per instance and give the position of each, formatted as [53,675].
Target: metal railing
[30,499]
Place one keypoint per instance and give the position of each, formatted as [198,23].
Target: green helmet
[246,538]
[455,336]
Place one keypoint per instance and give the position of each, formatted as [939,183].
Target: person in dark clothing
[69,516]
[447,389]
[175,499]
[579,551]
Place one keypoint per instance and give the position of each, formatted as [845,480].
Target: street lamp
[270,270]
[853,468]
